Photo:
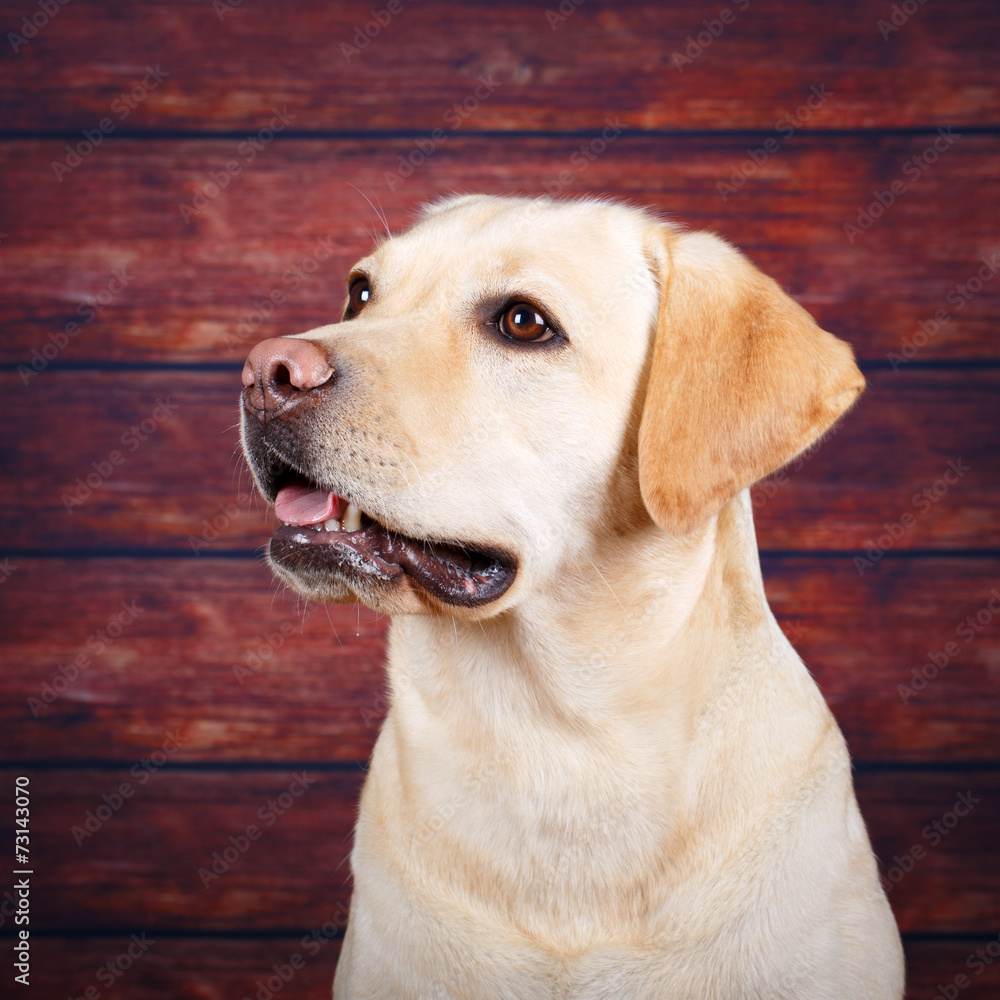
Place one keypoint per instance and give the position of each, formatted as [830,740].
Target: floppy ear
[742,380]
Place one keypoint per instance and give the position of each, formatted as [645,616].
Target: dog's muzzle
[325,534]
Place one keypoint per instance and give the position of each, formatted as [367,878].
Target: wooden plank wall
[170,169]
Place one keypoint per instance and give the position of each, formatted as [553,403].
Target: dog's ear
[742,380]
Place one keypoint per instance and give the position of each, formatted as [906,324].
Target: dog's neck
[592,702]
[632,637]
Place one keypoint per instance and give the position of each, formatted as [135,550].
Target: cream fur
[619,780]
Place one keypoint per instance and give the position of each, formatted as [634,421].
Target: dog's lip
[455,573]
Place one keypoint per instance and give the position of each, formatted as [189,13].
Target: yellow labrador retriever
[605,773]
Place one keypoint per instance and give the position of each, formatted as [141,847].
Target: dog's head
[516,380]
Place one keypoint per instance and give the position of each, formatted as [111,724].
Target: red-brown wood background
[235,689]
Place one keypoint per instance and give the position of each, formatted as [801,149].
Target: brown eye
[357,297]
[522,321]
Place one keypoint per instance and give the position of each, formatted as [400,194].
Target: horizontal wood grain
[224,967]
[147,864]
[208,850]
[908,655]
[180,483]
[935,835]
[228,70]
[932,964]
[170,968]
[291,222]
[220,667]
[218,662]
[869,632]
[189,692]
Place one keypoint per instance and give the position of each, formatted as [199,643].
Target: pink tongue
[304,505]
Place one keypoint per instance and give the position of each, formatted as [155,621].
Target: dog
[604,771]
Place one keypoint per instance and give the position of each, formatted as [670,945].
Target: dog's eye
[523,322]
[357,297]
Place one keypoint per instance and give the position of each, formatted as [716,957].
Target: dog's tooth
[332,525]
[352,518]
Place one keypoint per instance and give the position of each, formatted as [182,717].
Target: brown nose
[281,369]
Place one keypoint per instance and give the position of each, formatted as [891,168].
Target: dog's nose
[282,368]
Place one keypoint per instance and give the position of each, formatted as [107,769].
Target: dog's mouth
[325,533]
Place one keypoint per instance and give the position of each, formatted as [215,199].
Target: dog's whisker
[378,211]
[280,588]
[333,628]
[606,584]
[239,465]
[402,471]
[420,477]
